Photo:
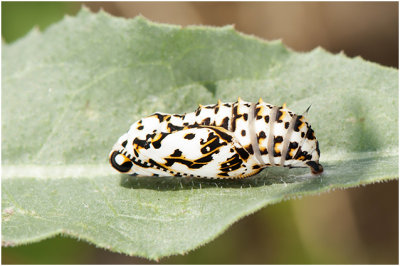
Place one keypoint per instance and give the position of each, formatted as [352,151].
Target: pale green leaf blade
[69,93]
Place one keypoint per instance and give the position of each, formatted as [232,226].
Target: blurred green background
[358,225]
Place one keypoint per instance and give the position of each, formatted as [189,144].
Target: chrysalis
[225,140]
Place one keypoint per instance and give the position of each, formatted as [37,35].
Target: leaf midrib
[95,170]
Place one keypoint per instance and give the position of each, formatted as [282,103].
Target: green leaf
[70,92]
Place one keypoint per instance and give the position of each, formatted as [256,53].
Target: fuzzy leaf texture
[70,92]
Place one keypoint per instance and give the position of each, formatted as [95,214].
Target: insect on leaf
[68,93]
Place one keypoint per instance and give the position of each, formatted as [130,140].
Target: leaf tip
[141,18]
[83,11]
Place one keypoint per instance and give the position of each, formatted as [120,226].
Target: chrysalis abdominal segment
[225,140]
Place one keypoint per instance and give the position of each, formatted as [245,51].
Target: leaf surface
[70,92]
